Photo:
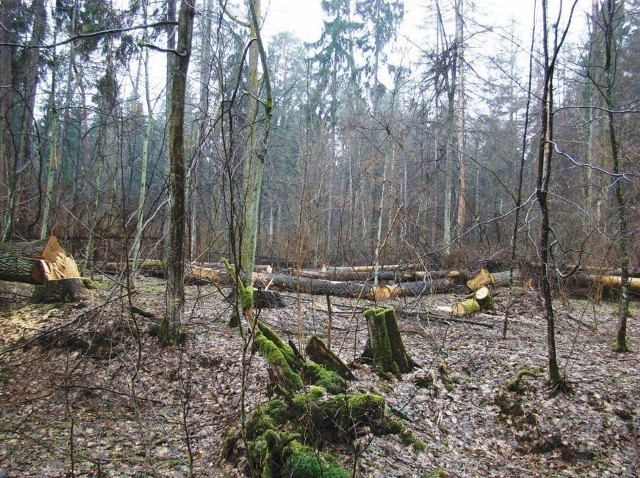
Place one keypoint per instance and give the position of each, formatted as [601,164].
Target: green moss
[286,350]
[330,381]
[334,419]
[380,342]
[447,380]
[515,385]
[316,392]
[304,462]
[169,334]
[437,473]
[275,356]
[89,284]
[409,439]
[37,297]
[245,294]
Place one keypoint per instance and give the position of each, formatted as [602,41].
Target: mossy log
[319,353]
[281,358]
[277,428]
[385,344]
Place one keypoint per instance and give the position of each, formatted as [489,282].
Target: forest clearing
[87,389]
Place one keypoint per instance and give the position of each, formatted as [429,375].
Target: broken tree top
[36,262]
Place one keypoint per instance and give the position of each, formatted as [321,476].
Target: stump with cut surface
[45,263]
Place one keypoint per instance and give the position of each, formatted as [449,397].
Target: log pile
[396,281]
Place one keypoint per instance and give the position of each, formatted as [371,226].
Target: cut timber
[614,281]
[46,263]
[481,279]
[319,353]
[356,290]
[201,272]
[305,285]
[481,300]
[468,307]
[385,344]
[484,298]
[36,262]
[386,273]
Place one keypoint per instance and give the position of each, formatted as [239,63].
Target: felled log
[207,272]
[385,346]
[317,351]
[305,285]
[481,300]
[384,274]
[467,307]
[35,262]
[45,263]
[484,298]
[614,281]
[481,279]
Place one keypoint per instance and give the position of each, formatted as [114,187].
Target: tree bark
[170,329]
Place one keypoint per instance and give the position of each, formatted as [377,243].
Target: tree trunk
[545,152]
[171,328]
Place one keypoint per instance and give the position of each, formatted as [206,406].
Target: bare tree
[545,152]
[171,328]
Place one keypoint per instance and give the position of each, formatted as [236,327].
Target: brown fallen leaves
[104,399]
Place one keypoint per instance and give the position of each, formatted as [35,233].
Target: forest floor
[86,390]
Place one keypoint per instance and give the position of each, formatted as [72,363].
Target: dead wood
[318,352]
[35,262]
[385,344]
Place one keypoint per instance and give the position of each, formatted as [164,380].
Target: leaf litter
[86,390]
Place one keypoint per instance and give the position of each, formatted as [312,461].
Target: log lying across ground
[36,262]
[42,262]
[398,272]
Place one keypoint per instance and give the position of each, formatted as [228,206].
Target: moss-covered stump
[283,362]
[285,436]
[385,346]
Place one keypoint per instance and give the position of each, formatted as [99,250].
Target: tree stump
[385,344]
[64,290]
[319,353]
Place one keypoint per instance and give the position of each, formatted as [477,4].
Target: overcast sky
[304,17]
